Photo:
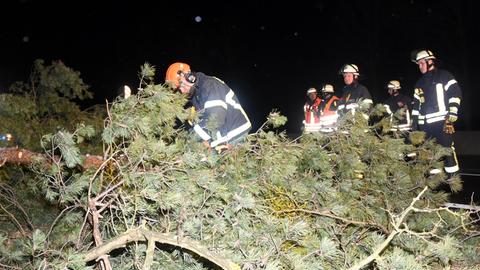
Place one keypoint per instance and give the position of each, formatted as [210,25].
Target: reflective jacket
[352,94]
[218,107]
[329,114]
[312,111]
[437,95]
[395,103]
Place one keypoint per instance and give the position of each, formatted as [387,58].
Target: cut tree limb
[143,235]
[15,155]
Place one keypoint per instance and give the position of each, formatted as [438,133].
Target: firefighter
[328,108]
[219,108]
[397,101]
[311,108]
[437,98]
[354,94]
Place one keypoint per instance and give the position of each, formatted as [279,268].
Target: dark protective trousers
[435,130]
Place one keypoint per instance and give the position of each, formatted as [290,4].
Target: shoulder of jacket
[445,73]
[361,86]
[213,86]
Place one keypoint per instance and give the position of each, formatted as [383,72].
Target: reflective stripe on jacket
[219,109]
[312,111]
[437,94]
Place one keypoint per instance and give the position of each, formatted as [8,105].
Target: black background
[269,53]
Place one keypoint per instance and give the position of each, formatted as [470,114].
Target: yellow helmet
[394,84]
[327,88]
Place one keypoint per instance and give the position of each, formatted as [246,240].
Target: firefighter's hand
[207,145]
[448,127]
[191,115]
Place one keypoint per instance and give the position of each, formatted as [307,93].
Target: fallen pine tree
[159,200]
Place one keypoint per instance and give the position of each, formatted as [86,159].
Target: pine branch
[149,254]
[4,266]
[66,209]
[14,219]
[9,195]
[97,235]
[142,235]
[396,230]
[345,220]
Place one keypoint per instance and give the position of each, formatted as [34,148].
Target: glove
[452,118]
[191,115]
[223,147]
[448,127]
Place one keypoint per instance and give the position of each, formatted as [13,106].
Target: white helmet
[311,90]
[423,54]
[327,88]
[394,84]
[350,68]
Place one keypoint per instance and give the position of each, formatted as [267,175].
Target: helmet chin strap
[430,64]
[192,91]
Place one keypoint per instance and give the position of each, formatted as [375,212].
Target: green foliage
[399,259]
[276,119]
[45,104]
[30,202]
[320,201]
[9,250]
[445,250]
[38,241]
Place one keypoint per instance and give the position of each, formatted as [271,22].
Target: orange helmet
[174,71]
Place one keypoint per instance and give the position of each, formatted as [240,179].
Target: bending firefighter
[223,122]
[437,100]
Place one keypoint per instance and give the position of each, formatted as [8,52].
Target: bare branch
[10,196]
[69,208]
[4,266]
[14,220]
[142,235]
[149,254]
[97,235]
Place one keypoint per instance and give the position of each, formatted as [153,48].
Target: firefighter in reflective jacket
[437,99]
[354,94]
[328,108]
[398,101]
[312,107]
[312,111]
[223,122]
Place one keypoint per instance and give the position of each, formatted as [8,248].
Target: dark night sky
[269,53]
